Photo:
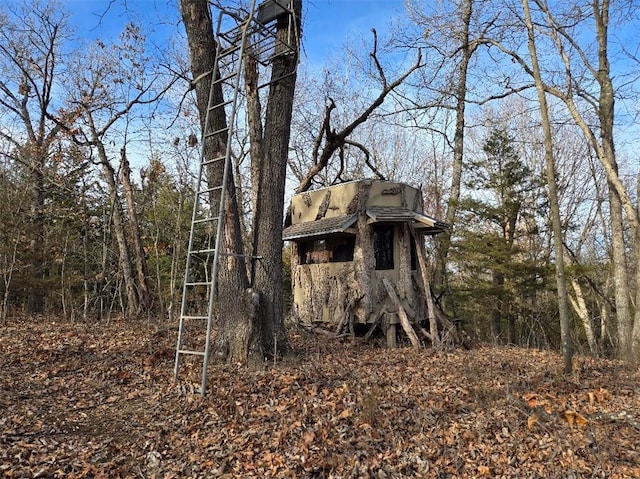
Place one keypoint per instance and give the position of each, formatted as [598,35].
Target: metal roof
[376,214]
[395,214]
[321,227]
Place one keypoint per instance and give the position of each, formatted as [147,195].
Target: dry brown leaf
[308,437]
[573,418]
[532,421]
[581,421]
[95,410]
[531,399]
[599,396]
[483,471]
[345,414]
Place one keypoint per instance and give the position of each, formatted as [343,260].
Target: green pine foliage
[496,280]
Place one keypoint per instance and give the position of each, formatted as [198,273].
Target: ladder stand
[239,33]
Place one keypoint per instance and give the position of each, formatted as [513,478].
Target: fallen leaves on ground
[98,400]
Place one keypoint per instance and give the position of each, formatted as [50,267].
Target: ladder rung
[201,251]
[194,317]
[209,219]
[219,105]
[225,52]
[222,80]
[214,160]
[231,33]
[187,351]
[210,190]
[215,132]
[199,283]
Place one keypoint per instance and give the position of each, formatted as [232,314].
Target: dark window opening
[414,254]
[342,249]
[383,246]
[327,250]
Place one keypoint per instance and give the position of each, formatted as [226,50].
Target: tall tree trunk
[142,273]
[269,218]
[620,276]
[554,204]
[35,304]
[606,116]
[580,307]
[466,50]
[237,338]
[119,230]
[635,334]
[635,339]
[254,119]
[498,305]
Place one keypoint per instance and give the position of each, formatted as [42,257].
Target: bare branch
[374,57]
[367,157]
[334,141]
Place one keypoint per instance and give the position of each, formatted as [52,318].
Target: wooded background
[518,119]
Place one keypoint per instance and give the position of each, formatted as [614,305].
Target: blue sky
[327,23]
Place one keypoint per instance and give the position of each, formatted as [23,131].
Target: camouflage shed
[346,239]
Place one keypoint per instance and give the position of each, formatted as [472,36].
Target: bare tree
[586,88]
[450,39]
[30,44]
[554,204]
[329,142]
[116,80]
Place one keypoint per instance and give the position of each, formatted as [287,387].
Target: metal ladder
[238,33]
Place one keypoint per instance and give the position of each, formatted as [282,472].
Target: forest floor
[98,400]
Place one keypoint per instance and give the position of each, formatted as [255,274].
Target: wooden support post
[426,281]
[391,336]
[375,323]
[402,314]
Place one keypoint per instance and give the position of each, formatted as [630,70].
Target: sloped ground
[97,400]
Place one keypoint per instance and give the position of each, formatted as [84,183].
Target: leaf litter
[98,400]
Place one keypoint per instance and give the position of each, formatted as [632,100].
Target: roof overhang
[393,214]
[321,227]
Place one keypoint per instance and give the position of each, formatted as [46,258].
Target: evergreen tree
[495,277]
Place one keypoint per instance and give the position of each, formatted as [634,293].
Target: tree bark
[268,218]
[142,273]
[466,50]
[554,204]
[635,334]
[580,307]
[236,337]
[254,120]
[119,230]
